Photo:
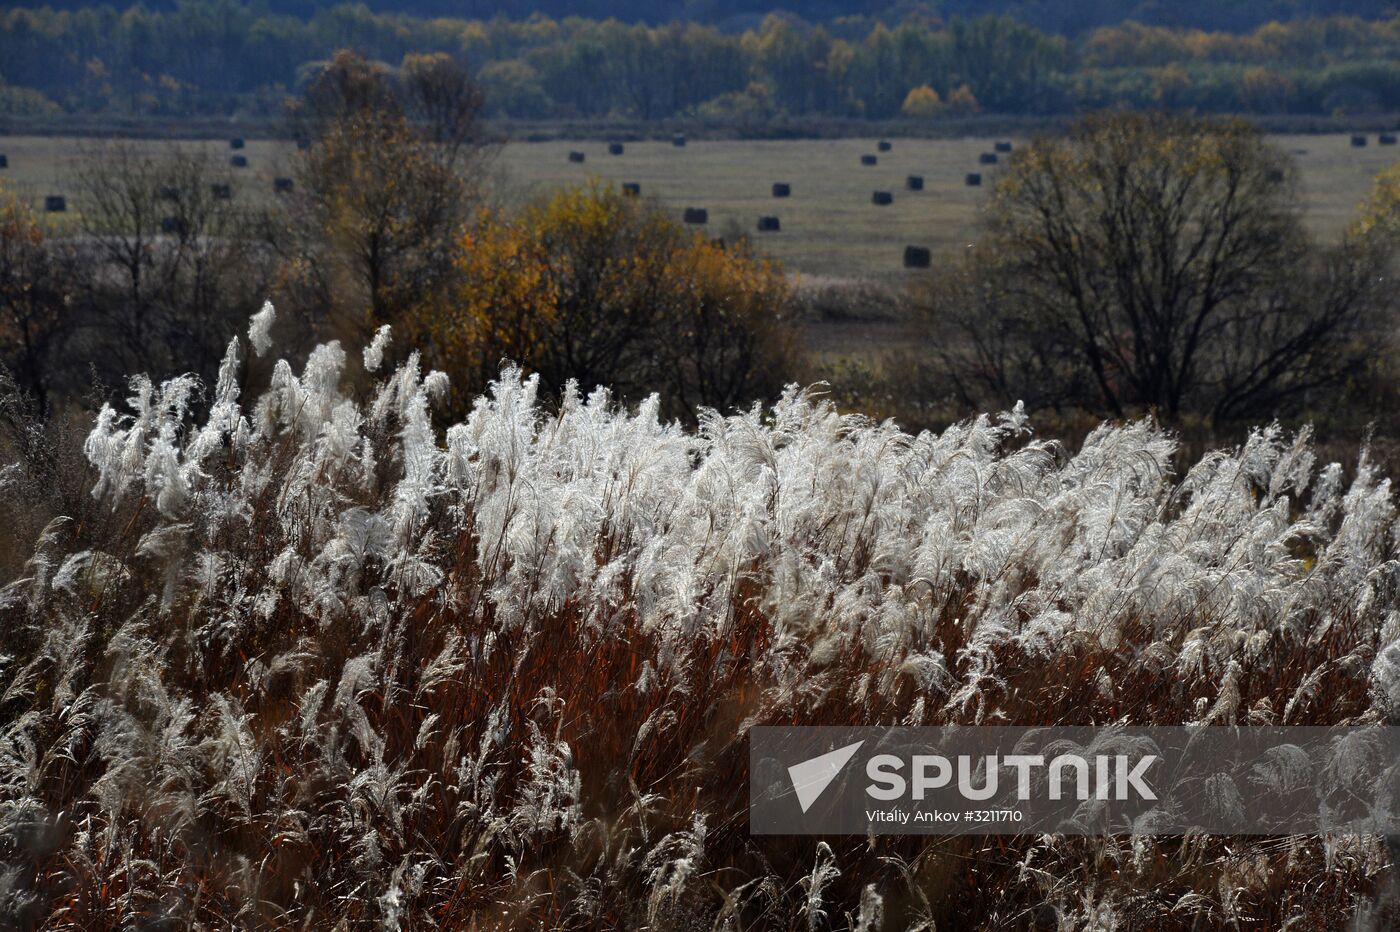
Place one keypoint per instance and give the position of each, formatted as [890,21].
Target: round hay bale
[615,148]
[239,161]
[283,185]
[987,158]
[868,159]
[631,189]
[696,215]
[55,203]
[1002,146]
[882,198]
[1386,139]
[221,192]
[575,156]
[678,140]
[4,160]
[917,257]
[1358,141]
[973,180]
[782,189]
[914,182]
[236,142]
[884,145]
[769,225]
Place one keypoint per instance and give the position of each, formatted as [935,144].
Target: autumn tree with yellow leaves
[922,102]
[599,287]
[962,102]
[1380,215]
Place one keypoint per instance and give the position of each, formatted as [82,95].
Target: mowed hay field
[829,227]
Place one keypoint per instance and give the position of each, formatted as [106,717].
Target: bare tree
[447,102]
[173,264]
[1157,261]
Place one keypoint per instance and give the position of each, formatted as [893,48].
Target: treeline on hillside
[219,58]
[1064,18]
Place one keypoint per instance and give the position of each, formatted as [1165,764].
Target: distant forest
[1066,17]
[217,58]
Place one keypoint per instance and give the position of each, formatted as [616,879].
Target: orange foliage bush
[594,286]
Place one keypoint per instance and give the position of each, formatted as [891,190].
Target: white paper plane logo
[811,777]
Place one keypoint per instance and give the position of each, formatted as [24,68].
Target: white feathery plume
[373,354]
[260,328]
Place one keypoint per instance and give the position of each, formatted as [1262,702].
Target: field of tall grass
[315,660]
